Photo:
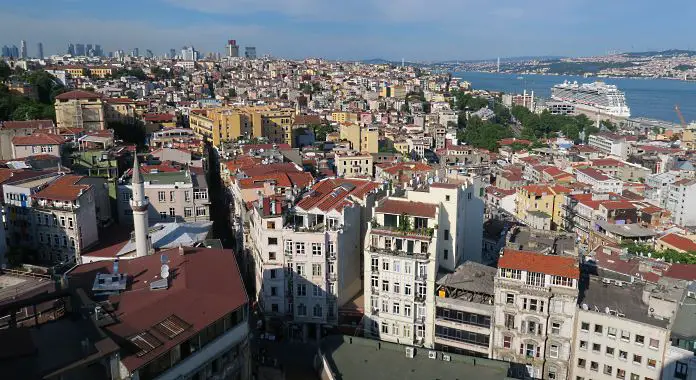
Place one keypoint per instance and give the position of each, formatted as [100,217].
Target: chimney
[182,251]
[273,206]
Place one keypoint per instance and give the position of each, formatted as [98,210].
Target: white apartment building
[535,298]
[681,201]
[600,182]
[54,214]
[657,187]
[307,257]
[615,335]
[609,143]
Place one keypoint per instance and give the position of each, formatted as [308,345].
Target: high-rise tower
[23,49]
[39,51]
[140,204]
[232,48]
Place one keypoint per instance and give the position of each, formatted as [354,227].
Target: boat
[595,97]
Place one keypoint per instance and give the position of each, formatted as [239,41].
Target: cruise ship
[597,97]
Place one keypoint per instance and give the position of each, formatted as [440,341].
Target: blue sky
[356,29]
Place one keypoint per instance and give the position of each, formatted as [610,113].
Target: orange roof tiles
[37,139]
[679,242]
[333,194]
[78,94]
[36,124]
[398,207]
[64,188]
[536,262]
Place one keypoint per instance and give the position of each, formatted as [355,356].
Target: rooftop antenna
[164,269]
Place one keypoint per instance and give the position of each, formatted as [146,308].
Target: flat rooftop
[551,242]
[472,277]
[626,299]
[14,287]
[372,359]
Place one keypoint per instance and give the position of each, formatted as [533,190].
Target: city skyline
[358,30]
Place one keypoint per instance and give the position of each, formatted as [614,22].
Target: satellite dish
[164,272]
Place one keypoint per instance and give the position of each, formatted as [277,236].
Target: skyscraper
[232,48]
[136,52]
[5,51]
[189,53]
[23,49]
[14,51]
[98,51]
[71,49]
[80,49]
[148,53]
[172,53]
[250,52]
[39,50]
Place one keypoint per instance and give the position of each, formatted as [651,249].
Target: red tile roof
[682,272]
[545,189]
[78,94]
[205,285]
[398,207]
[120,100]
[37,139]
[607,162]
[536,262]
[594,174]
[159,117]
[617,205]
[679,242]
[64,188]
[285,167]
[35,124]
[334,193]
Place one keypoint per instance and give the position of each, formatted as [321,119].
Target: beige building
[354,165]
[362,139]
[80,109]
[11,129]
[231,123]
[120,109]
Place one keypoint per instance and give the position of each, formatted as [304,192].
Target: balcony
[420,320]
[331,277]
[49,205]
[419,298]
[374,311]
[421,277]
[417,233]
[288,253]
[394,252]
[375,290]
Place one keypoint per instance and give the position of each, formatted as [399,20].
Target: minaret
[140,204]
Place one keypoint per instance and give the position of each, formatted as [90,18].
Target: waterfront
[654,98]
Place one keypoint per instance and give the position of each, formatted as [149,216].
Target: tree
[131,94]
[232,93]
[132,133]
[484,134]
[321,131]
[5,71]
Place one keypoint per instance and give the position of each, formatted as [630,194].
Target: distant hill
[665,53]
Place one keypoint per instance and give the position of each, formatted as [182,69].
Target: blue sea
[653,98]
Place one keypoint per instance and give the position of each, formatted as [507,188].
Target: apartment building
[681,202]
[540,206]
[307,257]
[174,195]
[80,109]
[119,109]
[223,124]
[37,143]
[464,310]
[53,214]
[11,129]
[362,139]
[617,336]
[609,143]
[600,182]
[354,165]
[535,298]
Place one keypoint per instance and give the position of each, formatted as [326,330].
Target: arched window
[301,309]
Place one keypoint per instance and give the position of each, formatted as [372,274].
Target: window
[385,264]
[634,376]
[680,370]
[332,288]
[172,212]
[70,223]
[288,246]
[582,362]
[608,370]
[300,248]
[535,278]
[396,308]
[316,249]
[126,196]
[274,291]
[407,310]
[598,329]
[583,344]
[637,359]
[555,328]
[552,373]
[609,351]
[562,281]
[316,290]
[299,268]
[640,340]
[596,347]
[510,298]
[533,304]
[447,198]
[397,288]
[271,256]
[510,321]
[161,196]
[514,274]
[625,335]
[171,196]
[301,290]
[316,270]
[201,211]
[620,373]
[395,329]
[447,235]
[332,267]
[375,282]
[445,254]
[553,350]
[385,285]
[163,215]
[272,241]
[301,309]
[611,332]
[507,341]
[62,221]
[654,343]
[273,273]
[188,212]
[623,355]
[407,268]
[397,266]
[375,264]
[187,196]
[530,350]
[407,289]
[584,326]
[274,307]
[594,366]
[385,328]
[652,363]
[385,306]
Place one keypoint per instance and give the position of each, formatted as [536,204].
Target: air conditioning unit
[432,355]
[410,352]
[446,357]
[619,283]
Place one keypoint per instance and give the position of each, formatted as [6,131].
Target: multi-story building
[37,143]
[354,165]
[535,298]
[80,109]
[616,334]
[11,129]
[120,110]
[540,206]
[464,310]
[609,143]
[231,123]
[174,195]
[307,257]
[362,139]
[600,182]
[681,201]
[53,214]
[408,240]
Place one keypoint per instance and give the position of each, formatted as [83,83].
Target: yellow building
[362,139]
[119,109]
[80,109]
[688,138]
[541,206]
[344,117]
[101,71]
[74,71]
[230,123]
[354,165]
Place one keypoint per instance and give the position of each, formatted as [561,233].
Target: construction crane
[681,117]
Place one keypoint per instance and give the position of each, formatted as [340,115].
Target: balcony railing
[417,232]
[54,205]
[375,290]
[331,276]
[421,276]
[419,298]
[394,252]
[420,320]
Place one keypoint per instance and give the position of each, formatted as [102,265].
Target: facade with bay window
[535,298]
